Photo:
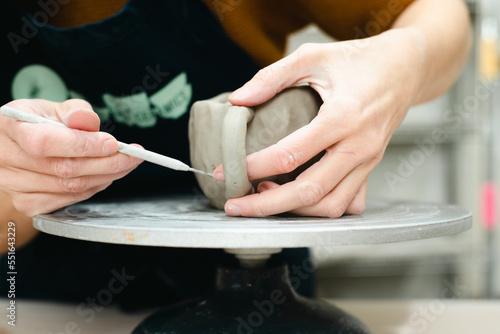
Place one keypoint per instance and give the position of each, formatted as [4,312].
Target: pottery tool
[130,150]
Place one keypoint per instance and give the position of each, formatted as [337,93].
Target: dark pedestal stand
[252,301]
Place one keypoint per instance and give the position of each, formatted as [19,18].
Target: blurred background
[446,151]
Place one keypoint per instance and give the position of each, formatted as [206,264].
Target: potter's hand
[366,87]
[45,167]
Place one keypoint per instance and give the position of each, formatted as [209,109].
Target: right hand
[45,167]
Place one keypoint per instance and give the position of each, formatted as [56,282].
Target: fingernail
[233,210]
[219,175]
[109,147]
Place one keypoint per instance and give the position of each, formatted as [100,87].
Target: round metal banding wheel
[190,222]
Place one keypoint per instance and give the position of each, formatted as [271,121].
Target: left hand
[367,86]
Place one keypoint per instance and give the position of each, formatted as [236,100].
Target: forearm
[24,230]
[443,31]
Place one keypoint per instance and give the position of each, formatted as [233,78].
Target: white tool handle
[122,147]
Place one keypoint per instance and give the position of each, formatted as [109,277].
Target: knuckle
[258,211]
[286,161]
[311,192]
[304,49]
[356,208]
[265,74]
[376,145]
[86,194]
[82,196]
[376,159]
[336,209]
[366,148]
[116,164]
[256,207]
[34,143]
[73,185]
[121,163]
[85,147]
[77,102]
[313,52]
[255,211]
[66,168]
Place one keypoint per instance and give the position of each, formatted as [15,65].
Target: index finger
[292,151]
[45,140]
[296,68]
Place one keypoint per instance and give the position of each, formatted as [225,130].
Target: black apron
[141,70]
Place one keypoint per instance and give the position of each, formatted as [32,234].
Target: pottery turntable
[258,290]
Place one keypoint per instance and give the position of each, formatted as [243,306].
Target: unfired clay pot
[220,132]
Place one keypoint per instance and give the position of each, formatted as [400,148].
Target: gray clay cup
[220,132]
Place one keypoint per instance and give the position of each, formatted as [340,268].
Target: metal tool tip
[200,172]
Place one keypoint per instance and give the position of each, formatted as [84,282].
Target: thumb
[271,80]
[78,114]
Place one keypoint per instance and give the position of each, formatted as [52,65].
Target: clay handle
[233,140]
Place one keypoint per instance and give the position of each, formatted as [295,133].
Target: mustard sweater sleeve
[348,19]
[261,27]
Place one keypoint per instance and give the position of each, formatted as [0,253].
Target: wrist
[413,58]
